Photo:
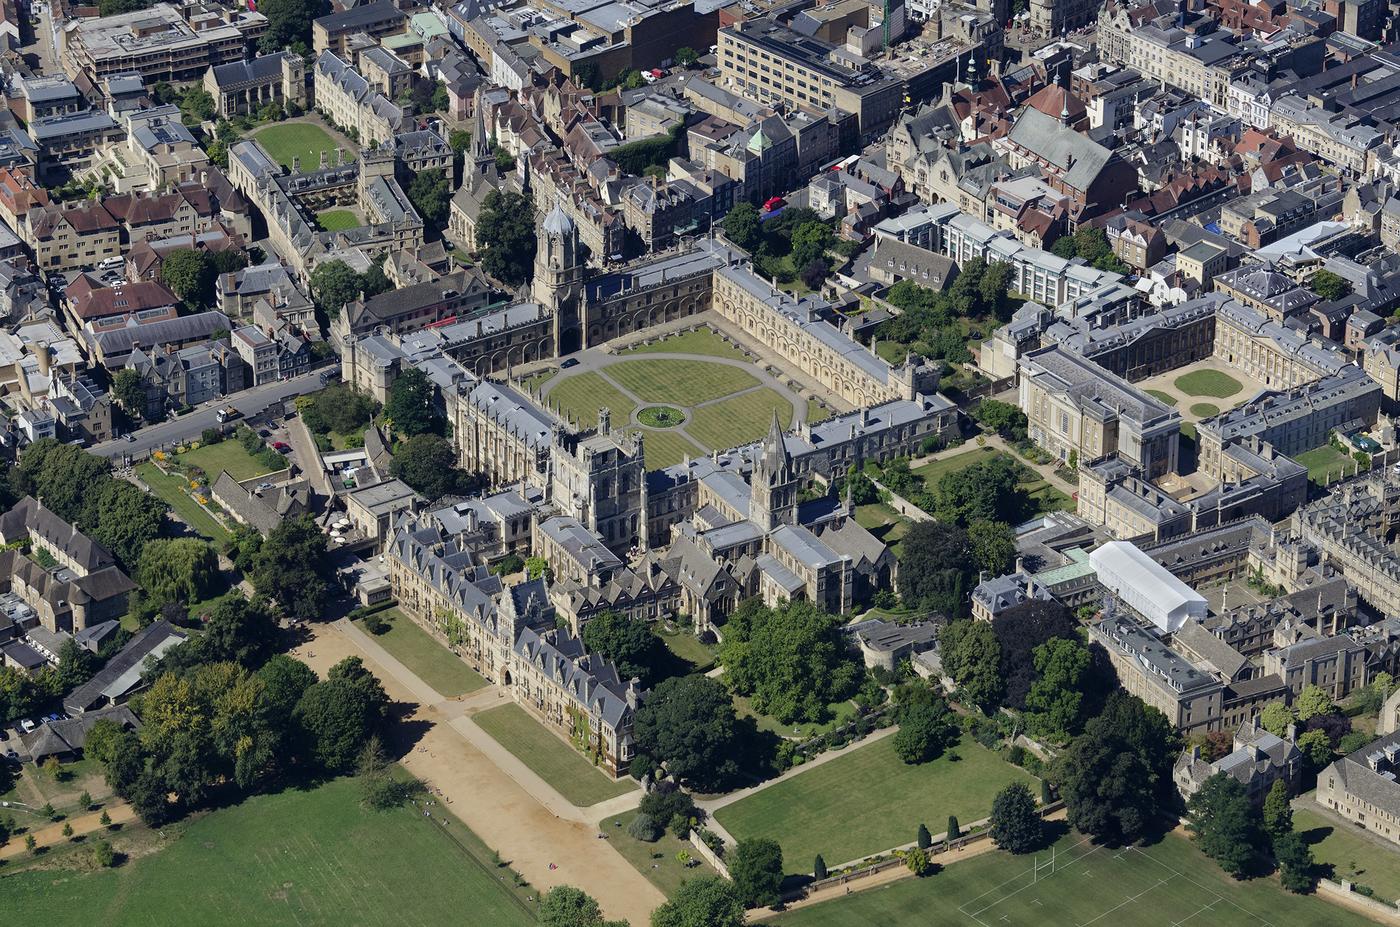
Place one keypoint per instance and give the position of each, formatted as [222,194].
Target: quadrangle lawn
[226,455]
[1325,461]
[700,341]
[1166,398]
[816,412]
[420,652]
[334,220]
[554,761]
[731,422]
[288,140]
[935,470]
[665,448]
[1167,884]
[171,489]
[680,382]
[581,396]
[1214,383]
[868,801]
[1352,855]
[312,858]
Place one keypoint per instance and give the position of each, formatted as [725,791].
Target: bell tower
[773,495]
[558,283]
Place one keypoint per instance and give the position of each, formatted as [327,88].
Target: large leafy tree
[289,22]
[1019,631]
[809,243]
[506,234]
[926,729]
[743,227]
[1225,823]
[291,567]
[756,867]
[987,490]
[181,570]
[972,656]
[566,906]
[130,392]
[1016,825]
[410,406]
[708,901]
[1116,776]
[688,723]
[793,660]
[937,570]
[427,463]
[190,276]
[993,546]
[1056,700]
[333,284]
[430,194]
[628,642]
[341,713]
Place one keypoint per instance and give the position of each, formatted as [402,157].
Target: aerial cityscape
[693,463]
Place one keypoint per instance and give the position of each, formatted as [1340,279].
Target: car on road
[570,362]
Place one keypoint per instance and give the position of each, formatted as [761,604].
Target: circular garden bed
[661,416]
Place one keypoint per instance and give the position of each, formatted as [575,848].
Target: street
[186,427]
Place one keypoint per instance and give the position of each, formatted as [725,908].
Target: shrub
[375,624]
[103,855]
[644,827]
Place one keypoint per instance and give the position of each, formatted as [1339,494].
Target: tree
[410,404]
[743,227]
[431,194]
[809,242]
[819,868]
[1278,812]
[936,570]
[333,285]
[1019,631]
[566,906]
[1328,285]
[190,276]
[1313,700]
[814,273]
[1295,862]
[793,660]
[918,862]
[117,7]
[1016,825]
[122,517]
[1276,718]
[987,490]
[290,567]
[1005,418]
[1116,776]
[128,390]
[708,901]
[75,665]
[926,729]
[628,642]
[1224,823]
[689,724]
[506,234]
[756,867]
[972,656]
[993,546]
[954,832]
[924,839]
[105,820]
[1316,748]
[685,57]
[1056,699]
[289,22]
[181,570]
[237,631]
[427,463]
[459,140]
[67,829]
[103,856]
[341,713]
[994,290]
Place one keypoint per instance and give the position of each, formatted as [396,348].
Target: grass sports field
[868,800]
[334,220]
[554,761]
[304,140]
[226,455]
[307,858]
[1208,383]
[1168,884]
[429,660]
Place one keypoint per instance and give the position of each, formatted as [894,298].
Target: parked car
[281,447]
[27,726]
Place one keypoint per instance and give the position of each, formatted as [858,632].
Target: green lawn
[289,140]
[428,659]
[936,470]
[868,801]
[1167,884]
[539,379]
[334,220]
[665,448]
[1165,398]
[554,761]
[1324,461]
[700,341]
[656,861]
[172,490]
[1208,383]
[313,858]
[681,382]
[226,455]
[882,521]
[816,412]
[1047,498]
[581,396]
[687,646]
[891,352]
[739,420]
[1351,854]
[840,713]
[1204,409]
